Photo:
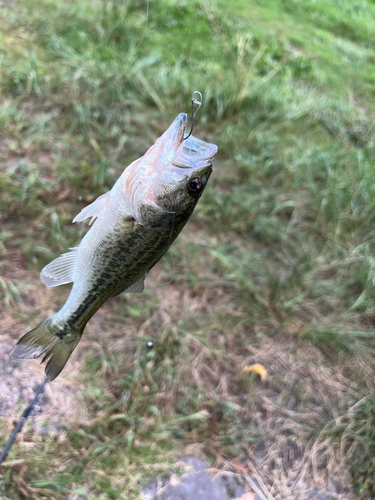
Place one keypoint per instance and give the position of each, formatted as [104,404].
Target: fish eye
[195,186]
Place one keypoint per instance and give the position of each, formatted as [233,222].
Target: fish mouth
[192,152]
[178,129]
[200,150]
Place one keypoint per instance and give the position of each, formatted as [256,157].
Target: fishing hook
[194,101]
[23,420]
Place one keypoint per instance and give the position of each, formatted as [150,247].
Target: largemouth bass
[135,224]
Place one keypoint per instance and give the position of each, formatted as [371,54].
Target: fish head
[175,172]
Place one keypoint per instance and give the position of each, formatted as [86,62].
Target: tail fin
[53,340]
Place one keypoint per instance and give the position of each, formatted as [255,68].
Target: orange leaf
[239,466]
[258,369]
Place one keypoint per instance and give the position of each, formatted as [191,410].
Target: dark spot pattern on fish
[126,260]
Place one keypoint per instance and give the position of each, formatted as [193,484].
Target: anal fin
[60,270]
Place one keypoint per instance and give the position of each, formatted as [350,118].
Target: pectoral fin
[93,210]
[60,270]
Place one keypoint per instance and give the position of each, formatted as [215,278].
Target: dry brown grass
[304,389]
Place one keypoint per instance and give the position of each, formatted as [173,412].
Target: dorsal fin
[137,287]
[93,210]
[60,270]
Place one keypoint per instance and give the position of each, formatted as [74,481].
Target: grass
[276,266]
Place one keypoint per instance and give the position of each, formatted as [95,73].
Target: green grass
[276,265]
[335,35]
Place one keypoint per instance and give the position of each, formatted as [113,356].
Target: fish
[135,224]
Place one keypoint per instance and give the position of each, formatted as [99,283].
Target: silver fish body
[136,222]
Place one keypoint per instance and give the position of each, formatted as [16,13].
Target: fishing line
[193,113]
[23,420]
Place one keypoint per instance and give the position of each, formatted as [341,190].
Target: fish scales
[135,224]
[121,269]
